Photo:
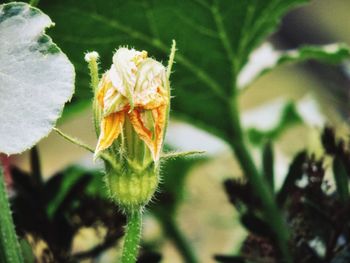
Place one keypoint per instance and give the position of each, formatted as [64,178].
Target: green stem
[171,59]
[73,140]
[35,166]
[105,156]
[174,155]
[9,247]
[174,233]
[132,237]
[92,59]
[260,187]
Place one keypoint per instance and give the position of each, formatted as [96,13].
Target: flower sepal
[132,186]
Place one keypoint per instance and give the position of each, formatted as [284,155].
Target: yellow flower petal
[108,97]
[111,127]
[102,88]
[153,140]
[159,116]
[142,131]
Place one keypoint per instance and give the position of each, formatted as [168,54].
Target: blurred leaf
[149,257]
[328,140]
[343,256]
[27,251]
[289,118]
[240,193]
[36,78]
[214,39]
[23,182]
[341,178]
[62,206]
[76,190]
[295,172]
[229,259]
[332,54]
[10,251]
[255,225]
[268,161]
[63,183]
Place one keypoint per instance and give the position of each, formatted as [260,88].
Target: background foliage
[215,41]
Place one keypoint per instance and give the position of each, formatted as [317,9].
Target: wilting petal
[111,127]
[113,102]
[104,84]
[123,71]
[142,131]
[159,116]
[149,90]
[153,140]
[108,97]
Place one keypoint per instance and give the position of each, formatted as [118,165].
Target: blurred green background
[320,94]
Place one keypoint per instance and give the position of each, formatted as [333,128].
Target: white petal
[123,70]
[150,77]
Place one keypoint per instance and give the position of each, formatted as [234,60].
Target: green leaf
[36,78]
[295,172]
[27,251]
[214,40]
[266,58]
[341,179]
[289,118]
[71,177]
[9,247]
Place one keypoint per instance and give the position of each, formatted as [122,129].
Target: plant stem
[174,155]
[92,59]
[35,167]
[174,233]
[260,187]
[105,156]
[74,141]
[9,247]
[171,59]
[132,236]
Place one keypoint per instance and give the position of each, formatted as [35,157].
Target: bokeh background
[320,94]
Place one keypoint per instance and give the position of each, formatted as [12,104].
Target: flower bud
[133,97]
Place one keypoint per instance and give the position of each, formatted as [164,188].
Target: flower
[134,90]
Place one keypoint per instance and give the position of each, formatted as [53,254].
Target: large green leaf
[36,78]
[214,40]
[266,58]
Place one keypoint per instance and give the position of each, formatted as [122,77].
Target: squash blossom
[133,99]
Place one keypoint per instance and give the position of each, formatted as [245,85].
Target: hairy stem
[104,156]
[174,155]
[171,59]
[260,187]
[74,141]
[92,59]
[9,247]
[132,236]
